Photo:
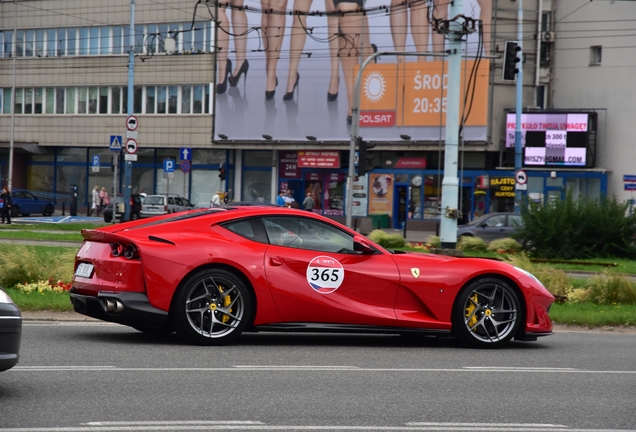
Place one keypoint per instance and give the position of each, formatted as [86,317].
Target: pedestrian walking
[6,206]
[216,199]
[104,200]
[95,202]
[308,203]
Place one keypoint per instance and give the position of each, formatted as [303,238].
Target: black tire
[134,216]
[15,211]
[48,210]
[108,217]
[212,307]
[487,313]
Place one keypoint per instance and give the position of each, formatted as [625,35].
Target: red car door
[319,279]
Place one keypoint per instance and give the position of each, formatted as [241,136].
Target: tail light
[129,251]
[165,208]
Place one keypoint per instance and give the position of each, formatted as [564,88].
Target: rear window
[153,200]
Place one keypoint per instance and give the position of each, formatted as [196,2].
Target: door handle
[274,262]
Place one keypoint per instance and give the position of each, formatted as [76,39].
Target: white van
[155,205]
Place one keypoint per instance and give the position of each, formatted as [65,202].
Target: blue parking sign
[96,160]
[168,165]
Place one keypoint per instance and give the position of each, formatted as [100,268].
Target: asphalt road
[92,376]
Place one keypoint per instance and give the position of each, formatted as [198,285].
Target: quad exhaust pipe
[113,306]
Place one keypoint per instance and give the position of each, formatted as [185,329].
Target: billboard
[287,77]
[555,139]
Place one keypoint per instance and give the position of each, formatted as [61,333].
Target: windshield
[154,200]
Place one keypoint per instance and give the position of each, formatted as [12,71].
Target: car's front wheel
[48,210]
[212,307]
[487,313]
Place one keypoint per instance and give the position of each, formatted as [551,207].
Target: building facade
[64,69]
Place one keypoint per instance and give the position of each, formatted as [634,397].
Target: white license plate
[84,270]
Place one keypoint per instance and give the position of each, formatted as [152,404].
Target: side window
[496,221]
[307,234]
[178,201]
[170,201]
[515,220]
[251,229]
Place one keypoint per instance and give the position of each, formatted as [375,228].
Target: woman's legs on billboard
[239,31]
[224,65]
[273,24]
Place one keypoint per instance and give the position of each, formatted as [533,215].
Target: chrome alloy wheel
[490,312]
[215,306]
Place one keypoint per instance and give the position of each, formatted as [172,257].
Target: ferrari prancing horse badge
[415,272]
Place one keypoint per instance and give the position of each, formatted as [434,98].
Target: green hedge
[578,228]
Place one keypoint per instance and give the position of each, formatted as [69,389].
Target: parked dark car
[10,332]
[135,208]
[491,226]
[26,203]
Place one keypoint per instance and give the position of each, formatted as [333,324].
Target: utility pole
[131,94]
[519,87]
[11,142]
[450,182]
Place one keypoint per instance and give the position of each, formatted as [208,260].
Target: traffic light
[510,59]
[222,172]
[365,159]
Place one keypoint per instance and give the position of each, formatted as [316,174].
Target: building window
[103,100]
[173,98]
[116,101]
[596,53]
[70,100]
[50,100]
[186,92]
[71,48]
[28,101]
[161,100]
[92,100]
[59,100]
[82,101]
[38,95]
[150,100]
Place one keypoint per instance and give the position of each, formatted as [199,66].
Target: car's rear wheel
[48,210]
[212,307]
[108,217]
[134,216]
[487,313]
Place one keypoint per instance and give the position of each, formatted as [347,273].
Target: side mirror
[360,244]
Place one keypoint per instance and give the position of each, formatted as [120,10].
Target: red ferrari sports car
[211,274]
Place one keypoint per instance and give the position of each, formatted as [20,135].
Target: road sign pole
[131,96]
[114,194]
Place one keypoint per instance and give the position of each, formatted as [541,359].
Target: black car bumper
[10,335]
[127,308]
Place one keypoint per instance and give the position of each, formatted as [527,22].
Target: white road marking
[296,368]
[258,426]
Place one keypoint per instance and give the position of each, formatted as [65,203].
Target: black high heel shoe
[243,70]
[222,87]
[290,95]
[269,94]
[333,96]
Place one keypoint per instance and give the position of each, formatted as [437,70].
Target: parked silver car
[10,332]
[156,205]
[491,226]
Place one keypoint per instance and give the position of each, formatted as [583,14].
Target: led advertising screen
[553,139]
[285,76]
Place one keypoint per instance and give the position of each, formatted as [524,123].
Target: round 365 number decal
[325,274]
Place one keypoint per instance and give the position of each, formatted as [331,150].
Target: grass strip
[593,315]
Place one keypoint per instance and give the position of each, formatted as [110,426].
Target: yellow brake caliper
[470,309]
[226,302]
